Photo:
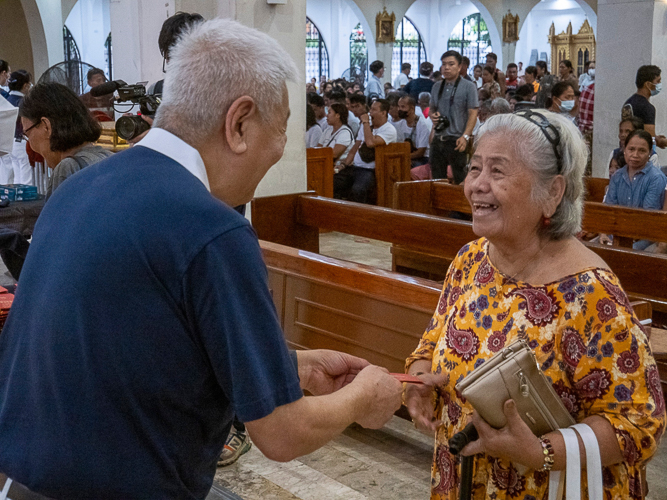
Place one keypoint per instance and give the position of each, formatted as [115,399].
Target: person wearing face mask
[648,82]
[588,76]
[414,129]
[563,99]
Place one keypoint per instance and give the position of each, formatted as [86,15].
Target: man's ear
[236,123]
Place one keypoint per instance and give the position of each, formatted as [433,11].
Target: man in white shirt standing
[357,180]
[402,79]
[375,87]
[414,129]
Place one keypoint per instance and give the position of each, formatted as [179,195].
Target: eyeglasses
[29,129]
[549,131]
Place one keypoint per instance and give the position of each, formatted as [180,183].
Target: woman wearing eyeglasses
[529,278]
[61,129]
[20,83]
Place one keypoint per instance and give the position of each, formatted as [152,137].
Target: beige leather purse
[513,373]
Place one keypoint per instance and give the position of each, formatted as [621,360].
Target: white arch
[533,32]
[334,22]
[45,27]
[435,20]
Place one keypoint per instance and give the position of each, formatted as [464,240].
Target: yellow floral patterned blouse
[586,340]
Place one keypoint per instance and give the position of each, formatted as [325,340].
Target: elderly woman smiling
[529,278]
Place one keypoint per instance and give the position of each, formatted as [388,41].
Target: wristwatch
[466,137]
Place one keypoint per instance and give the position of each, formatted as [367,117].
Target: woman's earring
[546,221]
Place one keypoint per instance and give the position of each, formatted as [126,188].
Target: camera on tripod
[129,127]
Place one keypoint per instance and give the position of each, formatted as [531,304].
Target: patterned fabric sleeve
[434,329]
[613,371]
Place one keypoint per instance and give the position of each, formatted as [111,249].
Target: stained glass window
[471,38]
[317,55]
[408,48]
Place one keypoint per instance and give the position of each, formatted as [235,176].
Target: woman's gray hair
[536,152]
[213,64]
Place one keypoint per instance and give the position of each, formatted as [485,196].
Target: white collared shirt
[158,139]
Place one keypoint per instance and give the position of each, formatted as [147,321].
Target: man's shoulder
[468,85]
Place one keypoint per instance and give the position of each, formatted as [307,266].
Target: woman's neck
[336,127]
[519,260]
[61,155]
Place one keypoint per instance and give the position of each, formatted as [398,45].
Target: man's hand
[365,118]
[461,144]
[323,371]
[380,396]
[661,141]
[148,120]
[604,239]
[514,442]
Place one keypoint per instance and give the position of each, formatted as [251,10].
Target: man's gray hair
[500,106]
[213,64]
[535,151]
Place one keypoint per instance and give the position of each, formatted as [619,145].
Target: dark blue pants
[354,184]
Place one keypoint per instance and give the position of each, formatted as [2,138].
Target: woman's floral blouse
[587,342]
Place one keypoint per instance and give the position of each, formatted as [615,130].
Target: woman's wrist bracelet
[548,452]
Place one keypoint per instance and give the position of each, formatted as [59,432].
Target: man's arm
[350,157]
[462,142]
[310,422]
[372,141]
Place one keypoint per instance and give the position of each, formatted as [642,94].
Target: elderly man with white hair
[144,318]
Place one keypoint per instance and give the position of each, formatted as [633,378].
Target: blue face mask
[566,106]
[656,90]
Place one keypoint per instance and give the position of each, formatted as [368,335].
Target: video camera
[129,127]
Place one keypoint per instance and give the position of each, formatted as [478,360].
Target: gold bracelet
[548,451]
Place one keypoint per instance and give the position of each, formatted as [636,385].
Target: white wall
[89,22]
[436,20]
[335,19]
[535,30]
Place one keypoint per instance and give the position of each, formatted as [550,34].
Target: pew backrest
[320,171]
[596,188]
[392,165]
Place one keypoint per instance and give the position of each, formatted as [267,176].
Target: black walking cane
[456,444]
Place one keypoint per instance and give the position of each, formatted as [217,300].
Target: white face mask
[591,72]
[566,106]
[656,90]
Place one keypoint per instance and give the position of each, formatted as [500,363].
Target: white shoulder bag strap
[572,470]
[593,461]
[5,490]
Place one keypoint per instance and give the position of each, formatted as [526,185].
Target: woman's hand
[514,442]
[418,399]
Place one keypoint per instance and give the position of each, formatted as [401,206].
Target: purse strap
[593,461]
[5,490]
[573,466]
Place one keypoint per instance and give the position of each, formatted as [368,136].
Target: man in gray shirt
[453,99]
[375,88]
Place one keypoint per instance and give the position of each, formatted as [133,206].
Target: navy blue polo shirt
[143,321]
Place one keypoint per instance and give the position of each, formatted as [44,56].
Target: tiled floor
[392,463]
[389,464]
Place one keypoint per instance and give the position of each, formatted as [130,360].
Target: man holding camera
[454,113]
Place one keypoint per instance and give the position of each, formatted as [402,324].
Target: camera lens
[129,127]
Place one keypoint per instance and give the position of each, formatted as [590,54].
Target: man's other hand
[380,396]
[661,141]
[148,120]
[323,371]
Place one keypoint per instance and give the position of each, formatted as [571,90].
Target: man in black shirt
[648,84]
[421,84]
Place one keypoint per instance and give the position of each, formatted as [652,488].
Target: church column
[619,53]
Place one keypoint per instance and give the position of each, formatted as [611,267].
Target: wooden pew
[325,303]
[320,299]
[626,224]
[320,171]
[596,188]
[392,165]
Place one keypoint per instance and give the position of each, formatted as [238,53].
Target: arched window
[108,55]
[317,55]
[71,50]
[358,56]
[408,48]
[471,38]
